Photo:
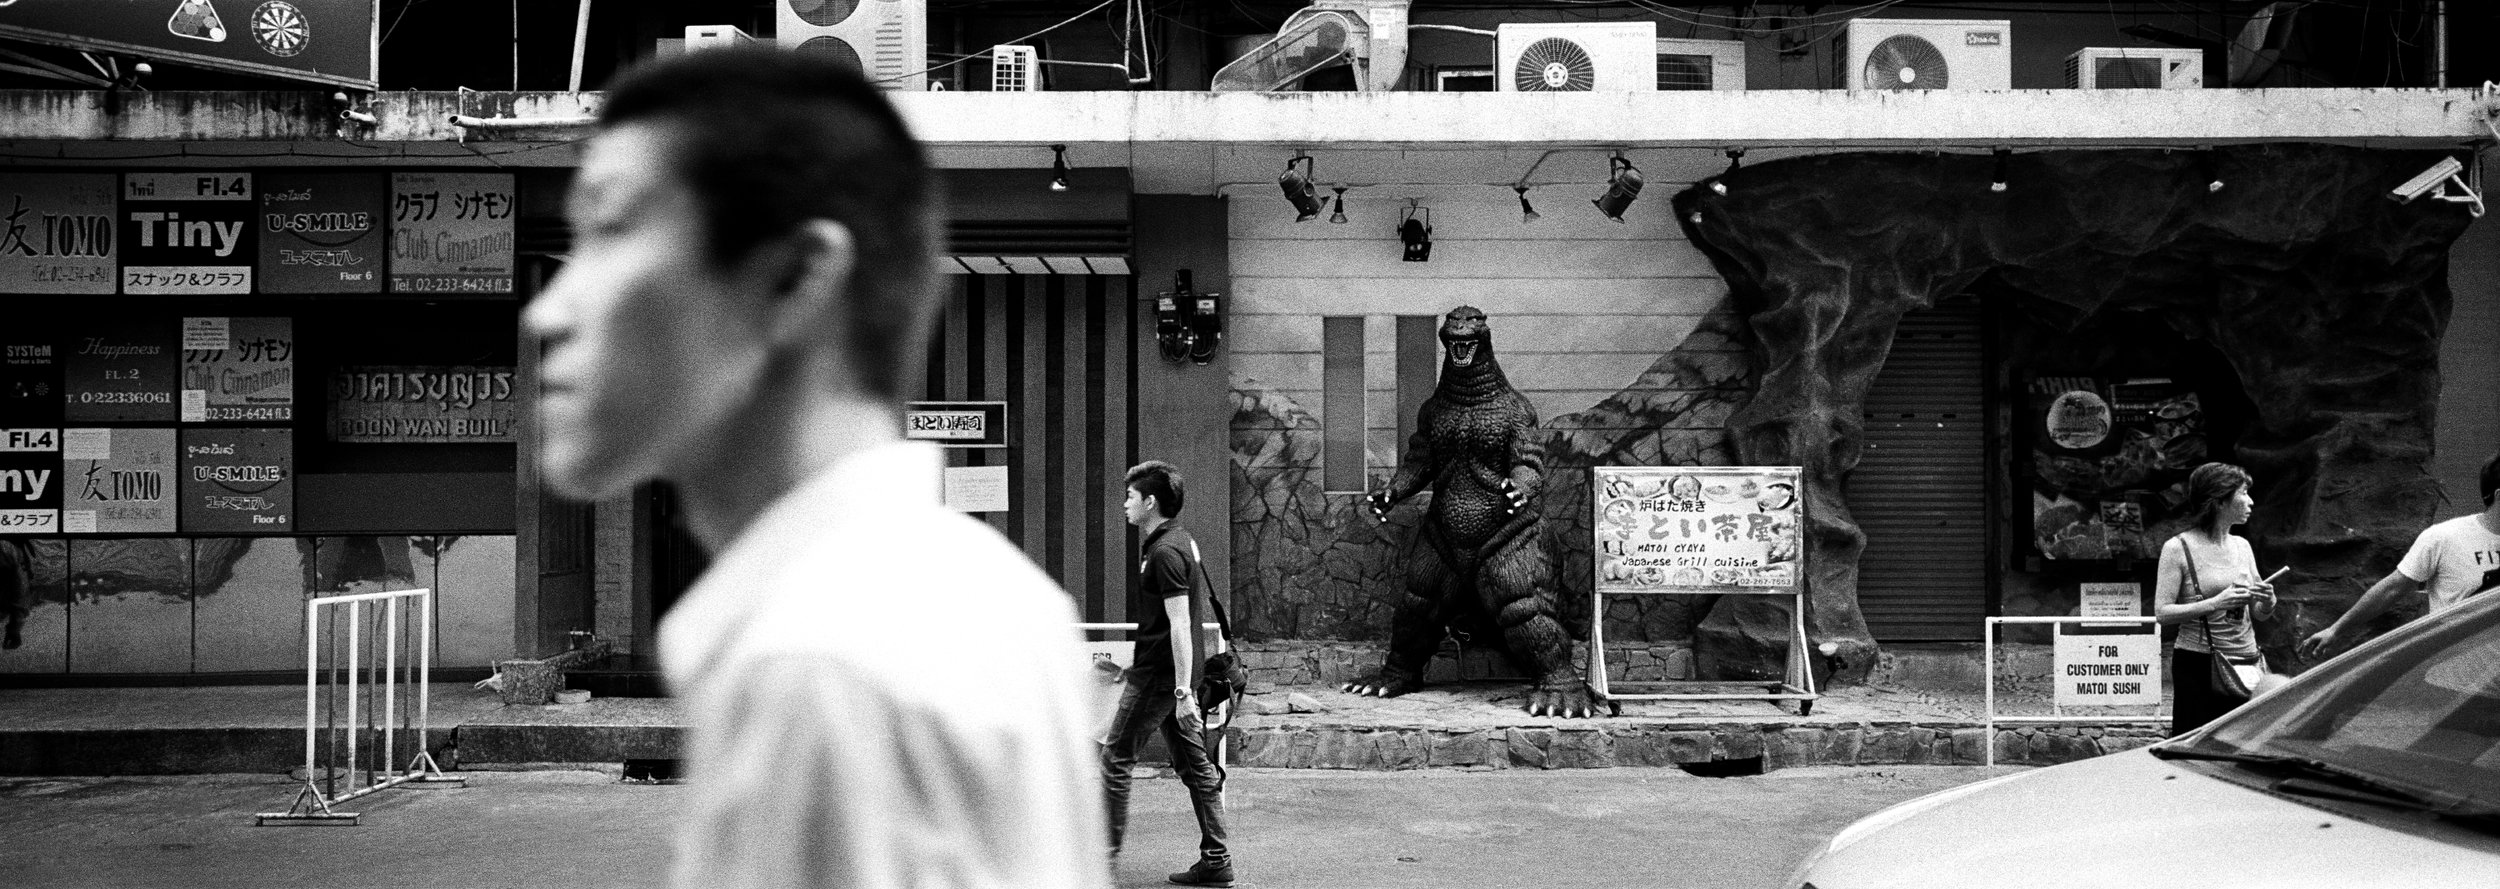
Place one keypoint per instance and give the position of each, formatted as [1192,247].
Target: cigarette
[2278,572]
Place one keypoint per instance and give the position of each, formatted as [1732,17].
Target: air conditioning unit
[1015,68]
[714,37]
[1700,64]
[1925,54]
[1575,57]
[2135,68]
[888,40]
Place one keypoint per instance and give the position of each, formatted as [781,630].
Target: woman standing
[2208,586]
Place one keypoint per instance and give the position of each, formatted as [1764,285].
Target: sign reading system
[1697,529]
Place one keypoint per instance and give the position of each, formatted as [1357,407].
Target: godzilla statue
[1478,563]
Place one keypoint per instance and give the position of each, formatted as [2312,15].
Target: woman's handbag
[2231,680]
[1221,679]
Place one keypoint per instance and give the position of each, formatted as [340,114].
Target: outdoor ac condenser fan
[1554,65]
[1904,62]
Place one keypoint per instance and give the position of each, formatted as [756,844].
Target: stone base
[1303,745]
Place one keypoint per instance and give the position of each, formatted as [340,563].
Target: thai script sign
[117,481]
[187,233]
[237,481]
[957,424]
[323,41]
[1697,529]
[452,233]
[57,233]
[30,476]
[238,369]
[120,369]
[2106,669]
[321,233]
[433,404]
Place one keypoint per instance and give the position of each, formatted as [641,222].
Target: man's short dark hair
[1161,481]
[768,139]
[2491,477]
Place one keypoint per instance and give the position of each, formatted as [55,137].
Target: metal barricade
[360,676]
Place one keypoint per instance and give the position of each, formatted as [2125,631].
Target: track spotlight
[2211,167]
[1059,168]
[1339,216]
[1416,234]
[1298,187]
[1735,159]
[1527,211]
[1623,184]
[2005,157]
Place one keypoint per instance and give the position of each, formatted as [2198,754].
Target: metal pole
[1988,680]
[390,688]
[581,35]
[2439,43]
[425,670]
[312,681]
[355,622]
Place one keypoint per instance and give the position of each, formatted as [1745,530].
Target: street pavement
[1441,829]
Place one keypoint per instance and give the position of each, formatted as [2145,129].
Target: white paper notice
[78,521]
[2107,670]
[207,334]
[976,488]
[195,405]
[2111,600]
[87,444]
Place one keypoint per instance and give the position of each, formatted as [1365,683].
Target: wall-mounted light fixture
[2005,158]
[1059,168]
[1735,160]
[1527,211]
[1339,216]
[1416,234]
[2210,166]
[1296,182]
[1623,184]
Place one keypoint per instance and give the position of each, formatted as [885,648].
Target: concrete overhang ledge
[1823,119]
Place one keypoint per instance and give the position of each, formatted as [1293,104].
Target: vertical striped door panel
[1057,350]
[1920,489]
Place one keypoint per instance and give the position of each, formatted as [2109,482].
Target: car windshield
[2418,711]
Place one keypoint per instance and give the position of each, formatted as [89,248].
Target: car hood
[2129,819]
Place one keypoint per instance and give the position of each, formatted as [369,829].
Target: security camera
[2428,181]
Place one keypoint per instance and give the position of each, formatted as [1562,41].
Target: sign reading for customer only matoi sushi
[452,233]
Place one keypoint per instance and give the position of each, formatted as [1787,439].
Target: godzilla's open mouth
[1463,352]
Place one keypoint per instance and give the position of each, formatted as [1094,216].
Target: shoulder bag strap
[2193,584]
[1198,566]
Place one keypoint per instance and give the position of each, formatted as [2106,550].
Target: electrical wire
[1098,7]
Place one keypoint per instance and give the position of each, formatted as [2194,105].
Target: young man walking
[1156,691]
[880,692]
[2451,561]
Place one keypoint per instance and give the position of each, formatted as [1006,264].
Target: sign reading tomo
[1697,529]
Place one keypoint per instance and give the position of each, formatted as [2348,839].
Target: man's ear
[813,280]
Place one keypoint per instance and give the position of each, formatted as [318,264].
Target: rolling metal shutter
[1920,488]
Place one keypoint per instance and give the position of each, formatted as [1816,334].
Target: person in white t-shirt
[2452,560]
[880,692]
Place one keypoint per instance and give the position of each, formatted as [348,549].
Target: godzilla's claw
[1571,701]
[1379,503]
[1514,499]
[1384,684]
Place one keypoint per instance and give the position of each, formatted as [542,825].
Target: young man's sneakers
[1206,873]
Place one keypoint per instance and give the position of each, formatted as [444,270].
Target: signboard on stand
[2106,669]
[1697,529]
[57,233]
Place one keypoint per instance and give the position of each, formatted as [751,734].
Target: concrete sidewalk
[1474,725]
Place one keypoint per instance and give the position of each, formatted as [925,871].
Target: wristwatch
[1181,691]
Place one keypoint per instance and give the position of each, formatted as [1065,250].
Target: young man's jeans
[1146,704]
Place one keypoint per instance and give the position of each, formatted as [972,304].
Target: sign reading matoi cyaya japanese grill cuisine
[459,404]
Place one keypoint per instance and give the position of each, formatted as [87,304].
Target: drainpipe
[581,33]
[2439,43]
